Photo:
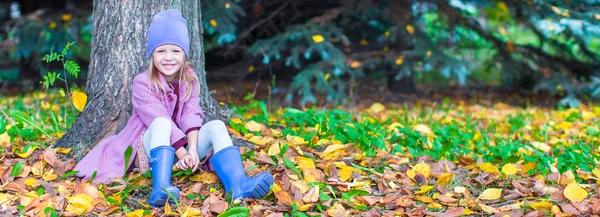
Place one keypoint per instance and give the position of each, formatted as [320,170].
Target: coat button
[170,98]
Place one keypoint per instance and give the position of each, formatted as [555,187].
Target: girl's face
[168,59]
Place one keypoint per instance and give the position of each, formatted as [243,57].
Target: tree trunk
[118,54]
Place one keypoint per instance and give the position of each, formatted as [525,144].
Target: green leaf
[18,116]
[127,156]
[238,211]
[289,164]
[68,174]
[17,168]
[93,176]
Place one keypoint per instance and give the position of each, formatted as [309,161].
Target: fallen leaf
[445,179]
[312,196]
[575,193]
[337,210]
[491,194]
[79,204]
[253,126]
[489,168]
[509,169]
[422,168]
[545,205]
[541,146]
[424,189]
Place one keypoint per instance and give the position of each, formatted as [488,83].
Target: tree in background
[534,44]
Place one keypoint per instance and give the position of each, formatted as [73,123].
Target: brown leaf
[382,186]
[596,208]
[215,204]
[404,202]
[369,200]
[63,167]
[283,198]
[512,213]
[312,196]
[337,210]
[277,214]
[313,175]
[447,200]
[570,209]
[583,207]
[18,186]
[333,172]
[388,199]
[518,186]
[49,156]
[85,188]
[195,189]
[453,212]
[265,159]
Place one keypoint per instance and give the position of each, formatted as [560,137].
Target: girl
[167,122]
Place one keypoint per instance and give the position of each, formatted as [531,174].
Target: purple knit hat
[168,27]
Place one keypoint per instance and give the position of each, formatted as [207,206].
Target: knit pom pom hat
[168,27]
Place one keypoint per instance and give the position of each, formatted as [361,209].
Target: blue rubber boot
[161,162]
[228,166]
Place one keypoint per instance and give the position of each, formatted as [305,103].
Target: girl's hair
[182,76]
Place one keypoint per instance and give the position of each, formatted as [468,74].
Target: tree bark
[118,54]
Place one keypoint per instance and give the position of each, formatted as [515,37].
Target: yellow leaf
[541,146]
[334,147]
[236,120]
[468,211]
[27,153]
[260,140]
[575,193]
[61,92]
[424,199]
[274,149]
[31,182]
[424,130]
[345,173]
[491,194]
[422,168]
[509,169]
[486,208]
[445,179]
[79,204]
[213,22]
[205,177]
[78,99]
[295,140]
[136,213]
[424,189]
[305,163]
[6,199]
[434,206]
[276,188]
[545,205]
[596,173]
[63,150]
[400,60]
[376,107]
[4,139]
[587,115]
[26,199]
[411,174]
[253,126]
[489,168]
[318,38]
[410,29]
[49,176]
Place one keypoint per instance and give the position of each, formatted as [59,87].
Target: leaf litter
[423,159]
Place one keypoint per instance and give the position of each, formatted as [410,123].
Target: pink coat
[108,156]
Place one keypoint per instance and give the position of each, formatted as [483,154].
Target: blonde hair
[182,76]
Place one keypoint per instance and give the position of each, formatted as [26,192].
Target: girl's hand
[185,162]
[195,160]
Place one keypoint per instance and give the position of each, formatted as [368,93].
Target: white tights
[211,135]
